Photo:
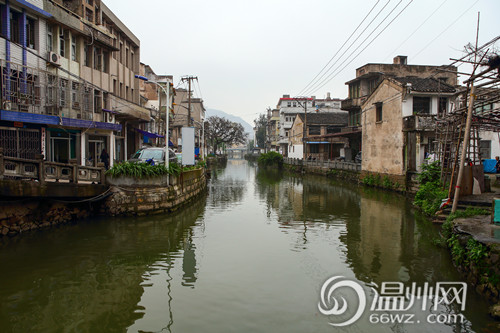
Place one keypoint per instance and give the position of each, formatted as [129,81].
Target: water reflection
[91,276]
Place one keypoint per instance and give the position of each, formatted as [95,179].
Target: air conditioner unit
[54,59]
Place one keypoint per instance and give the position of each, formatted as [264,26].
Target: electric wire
[347,40]
[414,31]
[351,45]
[334,73]
[442,32]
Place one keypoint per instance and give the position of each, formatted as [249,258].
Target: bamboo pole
[464,149]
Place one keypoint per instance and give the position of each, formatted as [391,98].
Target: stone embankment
[140,199]
[25,215]
[125,197]
[475,248]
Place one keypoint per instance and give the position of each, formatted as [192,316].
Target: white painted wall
[495,141]
[296,151]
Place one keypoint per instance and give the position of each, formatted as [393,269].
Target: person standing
[497,166]
[105,158]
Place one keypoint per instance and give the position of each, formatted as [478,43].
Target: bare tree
[222,131]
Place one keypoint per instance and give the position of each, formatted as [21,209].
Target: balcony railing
[42,171]
[419,122]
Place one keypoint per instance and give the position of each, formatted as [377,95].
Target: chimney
[400,60]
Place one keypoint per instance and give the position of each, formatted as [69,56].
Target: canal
[250,256]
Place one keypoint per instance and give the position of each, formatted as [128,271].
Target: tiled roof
[426,84]
[330,118]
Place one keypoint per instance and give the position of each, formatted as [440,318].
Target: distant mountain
[213,112]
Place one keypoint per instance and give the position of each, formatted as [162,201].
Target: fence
[38,169]
[328,164]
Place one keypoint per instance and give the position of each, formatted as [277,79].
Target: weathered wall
[476,255]
[33,214]
[143,200]
[382,141]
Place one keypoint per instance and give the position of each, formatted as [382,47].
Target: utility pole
[189,79]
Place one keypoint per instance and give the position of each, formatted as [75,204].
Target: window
[294,104]
[97,101]
[87,101]
[126,57]
[61,42]
[443,103]
[484,149]
[87,56]
[332,130]
[354,90]
[97,58]
[50,38]
[314,149]
[132,60]
[121,89]
[289,104]
[75,95]
[105,61]
[421,105]
[73,48]
[89,15]
[30,33]
[126,93]
[114,86]
[15,18]
[63,86]
[286,134]
[378,112]
[314,130]
[354,118]
[372,84]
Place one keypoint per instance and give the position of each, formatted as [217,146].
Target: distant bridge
[236,153]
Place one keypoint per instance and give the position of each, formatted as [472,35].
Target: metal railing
[327,164]
[41,170]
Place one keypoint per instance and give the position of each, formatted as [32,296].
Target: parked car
[357,158]
[157,154]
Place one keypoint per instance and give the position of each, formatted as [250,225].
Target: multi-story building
[68,82]
[183,105]
[369,76]
[272,129]
[312,136]
[289,108]
[153,98]
[399,124]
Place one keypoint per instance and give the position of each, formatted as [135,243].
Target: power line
[352,44]
[418,28]
[442,32]
[332,75]
[331,59]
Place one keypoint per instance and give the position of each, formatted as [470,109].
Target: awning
[149,134]
[314,142]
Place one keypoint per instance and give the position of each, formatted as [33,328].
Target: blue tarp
[489,166]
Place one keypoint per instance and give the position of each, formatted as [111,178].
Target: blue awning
[33,7]
[149,134]
[36,118]
[315,142]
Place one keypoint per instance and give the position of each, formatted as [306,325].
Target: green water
[250,256]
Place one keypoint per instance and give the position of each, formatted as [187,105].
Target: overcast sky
[247,54]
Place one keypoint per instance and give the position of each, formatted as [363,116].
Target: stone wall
[150,199]
[30,214]
[35,213]
[476,254]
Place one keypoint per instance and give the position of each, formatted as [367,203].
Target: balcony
[352,104]
[421,122]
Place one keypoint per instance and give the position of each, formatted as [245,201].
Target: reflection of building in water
[189,262]
[378,246]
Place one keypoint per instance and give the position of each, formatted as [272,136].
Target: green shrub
[143,170]
[386,182]
[271,158]
[430,195]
